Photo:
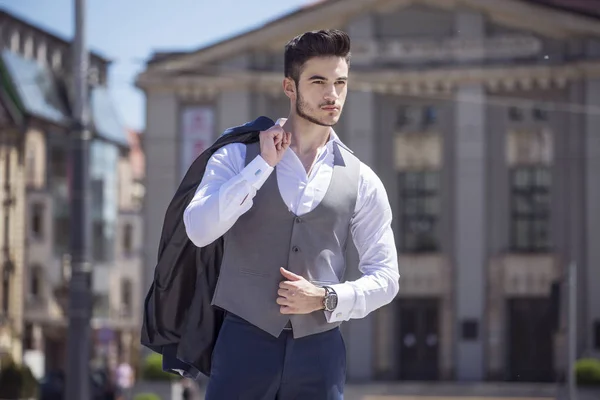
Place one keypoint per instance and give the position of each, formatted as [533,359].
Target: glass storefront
[104,202]
[104,159]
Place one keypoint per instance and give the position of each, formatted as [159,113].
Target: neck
[307,137]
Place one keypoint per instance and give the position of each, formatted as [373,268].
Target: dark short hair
[322,43]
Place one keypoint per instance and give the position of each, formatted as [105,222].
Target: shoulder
[369,180]
[372,195]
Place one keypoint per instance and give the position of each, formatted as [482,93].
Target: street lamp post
[79,334]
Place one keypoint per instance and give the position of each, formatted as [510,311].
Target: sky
[129,31]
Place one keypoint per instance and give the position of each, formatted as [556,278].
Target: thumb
[290,275]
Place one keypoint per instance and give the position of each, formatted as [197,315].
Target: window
[127,238]
[429,115]
[515,114]
[35,282]
[98,241]
[530,203]
[416,117]
[469,329]
[42,53]
[126,297]
[28,338]
[105,203]
[37,220]
[30,166]
[6,272]
[15,42]
[62,231]
[59,160]
[101,307]
[402,118]
[419,199]
[28,50]
[56,60]
[539,114]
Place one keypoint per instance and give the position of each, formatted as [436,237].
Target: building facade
[36,93]
[481,121]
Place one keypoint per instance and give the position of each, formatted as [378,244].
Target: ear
[289,88]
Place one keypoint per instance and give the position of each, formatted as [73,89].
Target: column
[359,134]
[592,210]
[497,227]
[576,160]
[470,213]
[470,229]
[162,174]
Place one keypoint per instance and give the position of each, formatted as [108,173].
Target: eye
[340,82]
[318,82]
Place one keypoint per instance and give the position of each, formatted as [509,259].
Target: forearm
[222,198]
[357,299]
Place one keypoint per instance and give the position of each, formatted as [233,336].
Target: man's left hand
[299,296]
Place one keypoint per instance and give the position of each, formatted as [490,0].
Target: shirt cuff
[343,310]
[256,172]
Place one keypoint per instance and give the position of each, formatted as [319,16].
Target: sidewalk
[461,391]
[470,391]
[451,390]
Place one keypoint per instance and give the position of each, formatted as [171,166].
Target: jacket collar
[261,123]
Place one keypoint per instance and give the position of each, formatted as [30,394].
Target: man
[124,380]
[286,207]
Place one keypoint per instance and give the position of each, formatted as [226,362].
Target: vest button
[295,249]
[298,220]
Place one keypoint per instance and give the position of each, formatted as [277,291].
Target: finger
[286,310]
[287,285]
[282,301]
[284,293]
[290,275]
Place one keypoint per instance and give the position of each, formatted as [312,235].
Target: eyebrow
[321,78]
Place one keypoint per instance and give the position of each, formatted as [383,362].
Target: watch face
[331,302]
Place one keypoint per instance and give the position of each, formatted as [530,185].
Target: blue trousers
[250,364]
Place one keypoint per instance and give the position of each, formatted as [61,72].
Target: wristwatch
[330,301]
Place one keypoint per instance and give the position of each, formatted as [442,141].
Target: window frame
[414,209]
[536,218]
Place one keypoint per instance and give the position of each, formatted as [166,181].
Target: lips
[329,108]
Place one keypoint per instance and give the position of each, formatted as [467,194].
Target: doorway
[530,332]
[419,339]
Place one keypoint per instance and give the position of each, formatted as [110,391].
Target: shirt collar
[333,137]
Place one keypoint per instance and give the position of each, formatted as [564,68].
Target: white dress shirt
[227,191]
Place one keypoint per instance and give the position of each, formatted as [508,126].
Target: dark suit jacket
[179,321]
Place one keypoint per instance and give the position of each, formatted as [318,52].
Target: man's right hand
[273,144]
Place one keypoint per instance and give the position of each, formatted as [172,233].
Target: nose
[331,93]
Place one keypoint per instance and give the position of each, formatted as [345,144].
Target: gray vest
[269,236]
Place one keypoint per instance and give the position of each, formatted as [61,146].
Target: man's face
[321,90]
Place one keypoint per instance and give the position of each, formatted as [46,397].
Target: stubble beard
[301,108]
